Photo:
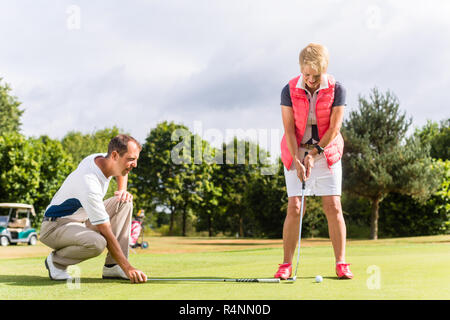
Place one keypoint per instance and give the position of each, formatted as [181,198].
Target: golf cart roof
[18,206]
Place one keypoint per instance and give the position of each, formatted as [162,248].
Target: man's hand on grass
[135,275]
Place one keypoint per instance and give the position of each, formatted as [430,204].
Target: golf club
[292,279]
[271,280]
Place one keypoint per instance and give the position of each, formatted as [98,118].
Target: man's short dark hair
[120,144]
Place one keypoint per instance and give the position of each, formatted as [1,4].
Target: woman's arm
[337,115]
[289,130]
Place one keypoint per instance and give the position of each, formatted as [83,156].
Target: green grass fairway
[409,268]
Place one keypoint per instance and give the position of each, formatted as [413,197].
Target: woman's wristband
[318,148]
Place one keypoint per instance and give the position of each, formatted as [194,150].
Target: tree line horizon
[393,184]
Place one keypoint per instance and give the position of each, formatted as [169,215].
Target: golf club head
[292,279]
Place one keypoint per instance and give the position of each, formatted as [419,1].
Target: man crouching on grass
[79,225]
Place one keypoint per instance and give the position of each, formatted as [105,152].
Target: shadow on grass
[312,279]
[233,244]
[42,281]
[204,280]
[335,278]
[215,280]
[243,243]
[39,281]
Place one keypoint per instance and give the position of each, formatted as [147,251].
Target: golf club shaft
[300,226]
[300,229]
[274,280]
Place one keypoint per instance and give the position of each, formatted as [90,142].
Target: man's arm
[122,182]
[136,276]
[122,192]
[91,199]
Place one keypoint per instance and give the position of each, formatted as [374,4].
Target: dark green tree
[9,110]
[408,217]
[266,200]
[378,157]
[437,136]
[357,213]
[241,163]
[165,176]
[19,169]
[55,165]
[32,170]
[207,209]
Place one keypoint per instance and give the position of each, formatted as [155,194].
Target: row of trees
[394,185]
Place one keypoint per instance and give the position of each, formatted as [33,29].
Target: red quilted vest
[300,106]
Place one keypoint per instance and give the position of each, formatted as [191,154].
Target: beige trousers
[74,241]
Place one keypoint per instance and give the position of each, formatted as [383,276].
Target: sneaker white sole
[50,275]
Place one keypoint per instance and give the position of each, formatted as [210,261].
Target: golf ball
[319,279]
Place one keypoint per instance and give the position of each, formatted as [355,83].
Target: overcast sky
[220,65]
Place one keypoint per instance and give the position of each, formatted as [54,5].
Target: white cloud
[137,63]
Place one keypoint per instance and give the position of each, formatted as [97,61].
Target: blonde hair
[316,56]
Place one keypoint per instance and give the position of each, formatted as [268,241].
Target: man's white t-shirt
[81,194]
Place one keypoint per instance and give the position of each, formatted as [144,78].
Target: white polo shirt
[85,189]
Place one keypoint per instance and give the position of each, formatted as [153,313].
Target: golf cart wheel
[4,241]
[144,245]
[32,241]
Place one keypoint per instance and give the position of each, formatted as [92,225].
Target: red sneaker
[343,271]
[284,271]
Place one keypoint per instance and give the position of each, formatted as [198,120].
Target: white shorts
[323,181]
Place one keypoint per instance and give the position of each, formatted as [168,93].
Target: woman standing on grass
[312,107]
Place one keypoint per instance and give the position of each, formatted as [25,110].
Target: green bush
[404,216]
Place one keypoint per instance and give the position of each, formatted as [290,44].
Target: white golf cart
[15,226]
